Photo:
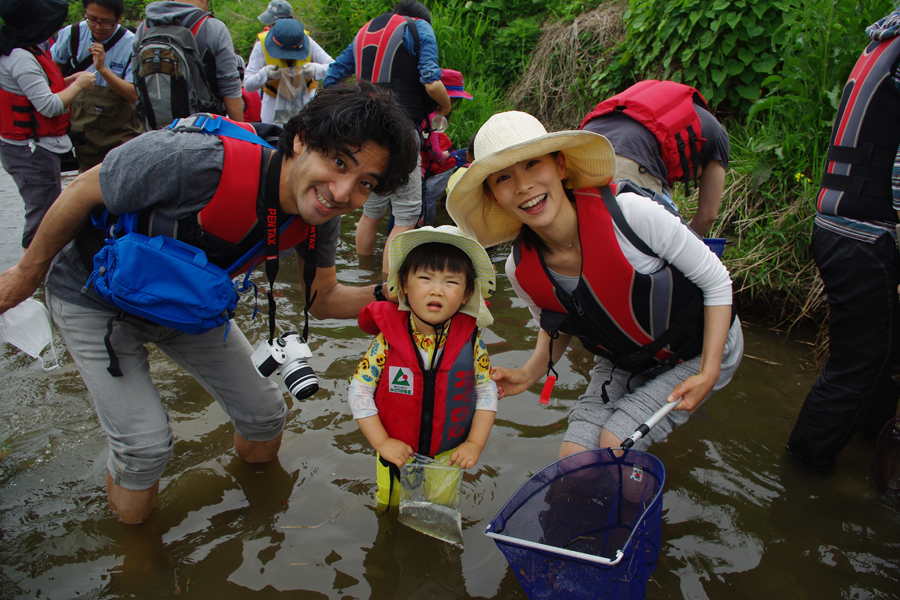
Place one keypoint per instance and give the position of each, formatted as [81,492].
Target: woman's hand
[85,81]
[693,390]
[395,451]
[510,381]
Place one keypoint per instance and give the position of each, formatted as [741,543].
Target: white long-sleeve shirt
[255,76]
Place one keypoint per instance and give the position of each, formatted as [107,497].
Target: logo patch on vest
[401,381]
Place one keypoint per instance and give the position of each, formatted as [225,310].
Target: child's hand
[395,451]
[466,455]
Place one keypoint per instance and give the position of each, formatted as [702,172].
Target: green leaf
[764,104]
[707,40]
[687,54]
[719,76]
[746,56]
[765,64]
[733,19]
[759,8]
[703,60]
[721,4]
[748,92]
[734,67]
[728,42]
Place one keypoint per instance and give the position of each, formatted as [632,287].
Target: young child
[425,383]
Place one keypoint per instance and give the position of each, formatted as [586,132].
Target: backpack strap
[207,58]
[414,31]
[89,59]
[74,39]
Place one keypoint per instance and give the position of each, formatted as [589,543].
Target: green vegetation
[772,70]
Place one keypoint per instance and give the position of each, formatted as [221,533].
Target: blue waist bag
[163,280]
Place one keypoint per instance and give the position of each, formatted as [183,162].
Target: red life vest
[856,182]
[18,118]
[382,58]
[229,222]
[666,109]
[638,321]
[424,408]
[252,106]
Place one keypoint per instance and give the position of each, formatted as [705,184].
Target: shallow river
[740,519]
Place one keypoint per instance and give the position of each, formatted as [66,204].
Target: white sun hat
[485,277]
[510,137]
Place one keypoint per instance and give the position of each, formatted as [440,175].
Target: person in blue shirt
[409,69]
[105,117]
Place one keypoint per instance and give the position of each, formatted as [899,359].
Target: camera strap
[271,205]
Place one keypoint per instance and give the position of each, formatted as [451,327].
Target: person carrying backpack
[398,51]
[663,133]
[106,116]
[183,34]
[213,189]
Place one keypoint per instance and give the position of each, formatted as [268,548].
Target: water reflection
[740,519]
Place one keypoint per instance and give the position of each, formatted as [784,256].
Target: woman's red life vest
[19,120]
[856,182]
[422,408]
[381,58]
[638,321]
[666,109]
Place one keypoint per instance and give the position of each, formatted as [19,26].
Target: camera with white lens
[287,356]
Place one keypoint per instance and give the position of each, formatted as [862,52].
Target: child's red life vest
[666,109]
[415,405]
[19,120]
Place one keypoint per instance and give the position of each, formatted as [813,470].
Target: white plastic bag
[292,89]
[27,327]
[429,500]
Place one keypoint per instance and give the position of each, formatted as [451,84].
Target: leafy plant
[725,48]
[823,40]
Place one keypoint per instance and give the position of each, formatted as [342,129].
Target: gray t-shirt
[177,175]
[632,140]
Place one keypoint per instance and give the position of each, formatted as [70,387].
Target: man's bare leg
[257,452]
[131,506]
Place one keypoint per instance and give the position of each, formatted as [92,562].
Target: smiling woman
[607,265]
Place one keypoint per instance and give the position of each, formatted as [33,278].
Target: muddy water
[740,519]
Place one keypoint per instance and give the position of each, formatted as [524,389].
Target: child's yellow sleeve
[482,363]
[369,369]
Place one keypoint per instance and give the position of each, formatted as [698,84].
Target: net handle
[499,537]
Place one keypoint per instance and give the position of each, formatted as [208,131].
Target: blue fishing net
[586,526]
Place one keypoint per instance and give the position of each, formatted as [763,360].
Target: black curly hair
[348,116]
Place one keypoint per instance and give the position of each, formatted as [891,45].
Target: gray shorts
[130,409]
[626,411]
[406,203]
